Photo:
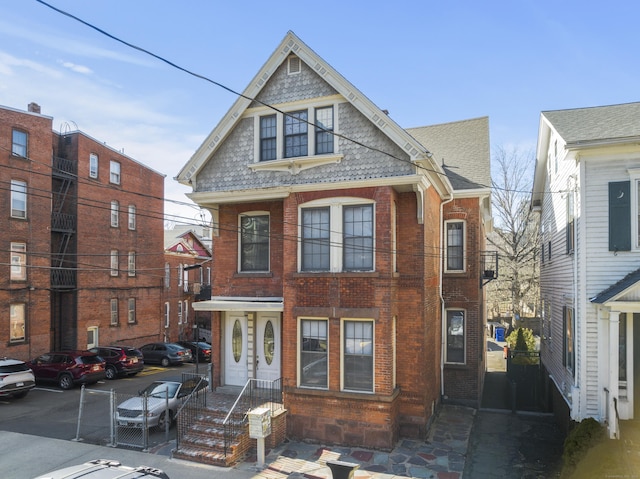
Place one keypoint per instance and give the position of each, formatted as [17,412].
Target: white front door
[268,346]
[235,356]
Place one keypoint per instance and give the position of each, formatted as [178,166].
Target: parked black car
[121,360]
[67,368]
[165,353]
[202,349]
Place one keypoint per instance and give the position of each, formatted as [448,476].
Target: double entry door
[252,347]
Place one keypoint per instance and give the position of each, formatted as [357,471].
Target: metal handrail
[195,402]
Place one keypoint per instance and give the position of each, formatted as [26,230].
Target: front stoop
[204,441]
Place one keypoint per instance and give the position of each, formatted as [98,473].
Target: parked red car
[68,368]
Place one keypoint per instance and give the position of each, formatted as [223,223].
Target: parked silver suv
[16,378]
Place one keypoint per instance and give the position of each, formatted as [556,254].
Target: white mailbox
[259,422]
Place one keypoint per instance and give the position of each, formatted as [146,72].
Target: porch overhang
[232,303]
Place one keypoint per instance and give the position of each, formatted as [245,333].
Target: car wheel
[164,362]
[65,381]
[111,372]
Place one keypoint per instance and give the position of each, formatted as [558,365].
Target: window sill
[251,274]
[340,274]
[455,365]
[296,165]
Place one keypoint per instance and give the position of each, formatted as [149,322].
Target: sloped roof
[618,288]
[291,44]
[462,148]
[612,122]
[193,245]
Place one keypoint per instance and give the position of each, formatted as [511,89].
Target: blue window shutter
[620,216]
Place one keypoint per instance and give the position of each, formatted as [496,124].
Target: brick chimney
[33,107]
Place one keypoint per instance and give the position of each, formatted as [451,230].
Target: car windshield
[13,368]
[159,390]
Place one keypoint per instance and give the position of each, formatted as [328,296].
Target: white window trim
[115,214]
[179,312]
[113,312]
[464,335]
[634,176]
[296,164]
[167,311]
[464,246]
[93,159]
[342,353]
[239,262]
[335,231]
[23,192]
[115,177]
[19,252]
[114,262]
[26,143]
[132,217]
[18,314]
[131,311]
[131,263]
[299,360]
[292,62]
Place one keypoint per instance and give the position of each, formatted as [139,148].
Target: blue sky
[426,62]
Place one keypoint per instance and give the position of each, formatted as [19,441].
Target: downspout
[442,316]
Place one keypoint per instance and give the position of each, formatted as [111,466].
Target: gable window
[114,262]
[132,217]
[324,130]
[131,313]
[254,242]
[268,137]
[337,237]
[17,322]
[18,199]
[296,140]
[93,165]
[294,65]
[314,353]
[18,262]
[114,312]
[454,245]
[357,356]
[115,209]
[568,323]
[114,172]
[19,143]
[132,263]
[454,352]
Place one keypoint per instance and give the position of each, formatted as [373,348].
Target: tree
[515,235]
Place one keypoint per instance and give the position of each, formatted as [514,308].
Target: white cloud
[77,68]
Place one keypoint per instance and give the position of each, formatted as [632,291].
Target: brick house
[187,279]
[341,246]
[91,240]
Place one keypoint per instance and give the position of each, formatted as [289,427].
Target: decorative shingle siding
[283,88]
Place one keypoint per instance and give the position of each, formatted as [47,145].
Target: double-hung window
[314,353]
[569,326]
[357,356]
[114,262]
[337,237]
[19,143]
[132,217]
[18,262]
[115,214]
[18,199]
[454,231]
[114,312]
[114,172]
[268,138]
[296,139]
[324,130]
[254,242]
[132,263]
[17,322]
[131,313]
[454,352]
[93,165]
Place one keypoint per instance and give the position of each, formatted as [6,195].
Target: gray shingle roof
[462,147]
[617,288]
[612,122]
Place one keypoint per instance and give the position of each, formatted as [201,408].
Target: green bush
[521,339]
[582,437]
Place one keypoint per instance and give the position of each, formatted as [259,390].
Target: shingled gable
[291,44]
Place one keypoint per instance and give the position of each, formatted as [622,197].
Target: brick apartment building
[187,279]
[85,240]
[347,253]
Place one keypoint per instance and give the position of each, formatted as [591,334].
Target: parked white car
[105,469]
[130,413]
[16,378]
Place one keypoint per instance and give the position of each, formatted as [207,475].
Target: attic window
[294,65]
